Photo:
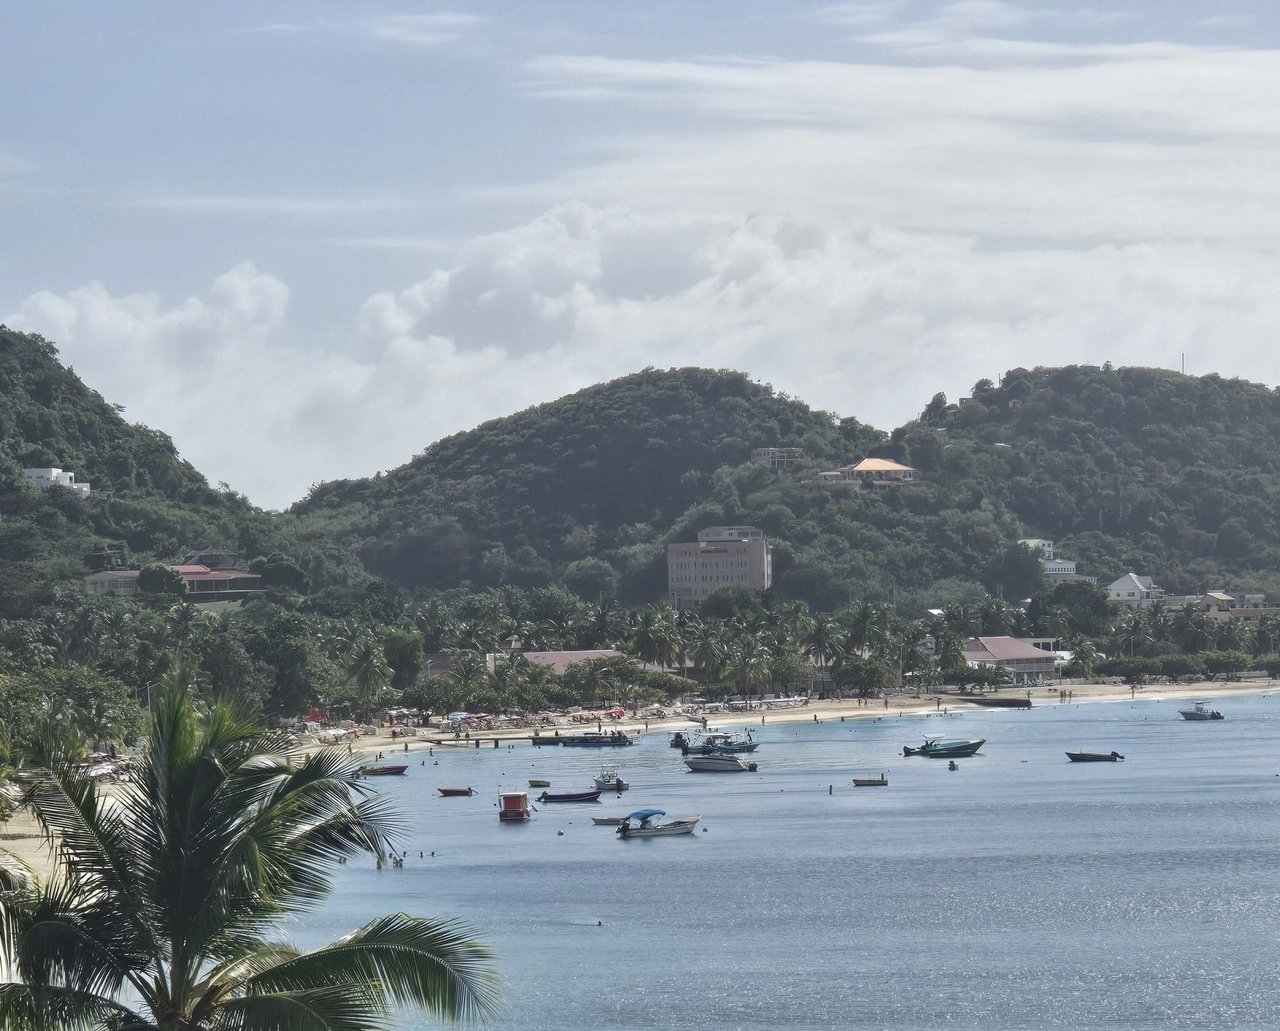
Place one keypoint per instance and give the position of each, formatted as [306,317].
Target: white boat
[1200,712]
[608,821]
[647,823]
[610,781]
[720,763]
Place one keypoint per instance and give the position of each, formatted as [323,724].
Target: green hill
[146,502]
[1141,469]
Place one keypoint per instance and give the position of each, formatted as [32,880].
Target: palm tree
[157,919]
[366,666]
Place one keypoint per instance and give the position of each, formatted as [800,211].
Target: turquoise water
[1021,891]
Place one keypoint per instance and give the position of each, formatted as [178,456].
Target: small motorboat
[456,792]
[513,806]
[722,763]
[571,796]
[384,770]
[608,821]
[720,743]
[596,739]
[539,783]
[1200,711]
[647,823]
[1094,757]
[610,781]
[881,781]
[936,748]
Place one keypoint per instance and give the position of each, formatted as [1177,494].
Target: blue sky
[349,229]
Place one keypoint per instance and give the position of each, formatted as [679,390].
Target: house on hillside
[1024,661]
[1055,570]
[204,585]
[778,457]
[47,477]
[1223,605]
[875,474]
[1137,592]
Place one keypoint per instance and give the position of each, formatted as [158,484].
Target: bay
[1020,891]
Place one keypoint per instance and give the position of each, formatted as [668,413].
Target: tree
[160,581]
[156,922]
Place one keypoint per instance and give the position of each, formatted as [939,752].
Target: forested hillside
[147,503]
[1140,469]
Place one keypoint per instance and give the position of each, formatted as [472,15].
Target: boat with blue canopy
[647,823]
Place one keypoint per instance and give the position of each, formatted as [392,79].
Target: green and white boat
[936,748]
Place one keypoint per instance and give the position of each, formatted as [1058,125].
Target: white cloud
[424,30]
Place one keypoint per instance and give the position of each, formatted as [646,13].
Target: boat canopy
[646,814]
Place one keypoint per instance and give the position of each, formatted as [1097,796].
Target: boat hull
[1094,757]
[946,749]
[383,771]
[871,782]
[575,796]
[456,792]
[718,764]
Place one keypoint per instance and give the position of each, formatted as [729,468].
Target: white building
[1137,592]
[1054,570]
[50,477]
[778,457]
[722,556]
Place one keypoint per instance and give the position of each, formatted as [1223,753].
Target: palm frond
[27,1008]
[434,965]
[331,1008]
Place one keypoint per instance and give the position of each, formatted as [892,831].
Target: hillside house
[1137,592]
[204,585]
[778,457]
[44,478]
[722,556]
[874,474]
[1024,661]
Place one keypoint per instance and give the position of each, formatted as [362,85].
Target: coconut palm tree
[160,917]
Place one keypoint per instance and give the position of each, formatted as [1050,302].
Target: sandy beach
[21,837]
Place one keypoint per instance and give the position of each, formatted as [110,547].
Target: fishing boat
[1200,711]
[647,823]
[719,764]
[513,806]
[539,783]
[720,743]
[936,748]
[607,821]
[456,792]
[596,739]
[571,796]
[1094,757]
[384,770]
[610,781]
[881,781]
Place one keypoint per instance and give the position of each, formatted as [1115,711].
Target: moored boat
[1094,757]
[881,781]
[513,806]
[720,743]
[610,781]
[539,783]
[596,739]
[719,764]
[1200,711]
[384,770]
[571,796]
[647,823]
[936,748]
[456,792]
[607,821]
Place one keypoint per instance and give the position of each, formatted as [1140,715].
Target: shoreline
[21,837]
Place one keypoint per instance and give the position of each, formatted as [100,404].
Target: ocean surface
[1021,891]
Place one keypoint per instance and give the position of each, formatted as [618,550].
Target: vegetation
[161,916]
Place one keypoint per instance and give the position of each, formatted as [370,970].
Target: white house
[50,477]
[1137,592]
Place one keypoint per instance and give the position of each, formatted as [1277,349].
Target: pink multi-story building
[722,556]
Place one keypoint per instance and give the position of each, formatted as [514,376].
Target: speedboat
[456,792]
[936,748]
[385,770]
[719,763]
[610,781]
[719,743]
[1094,757]
[1200,712]
[608,821]
[647,823]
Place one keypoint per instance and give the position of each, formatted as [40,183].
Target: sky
[308,239]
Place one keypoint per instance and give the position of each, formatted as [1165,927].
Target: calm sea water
[1021,891]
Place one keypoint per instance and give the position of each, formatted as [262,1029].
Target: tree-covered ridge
[147,502]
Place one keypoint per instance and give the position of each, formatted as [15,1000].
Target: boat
[881,781]
[539,783]
[720,763]
[513,806]
[936,748]
[1094,757]
[647,823]
[679,739]
[384,770]
[607,821]
[1200,712]
[719,743]
[571,796]
[610,781]
[596,739]
[456,792]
